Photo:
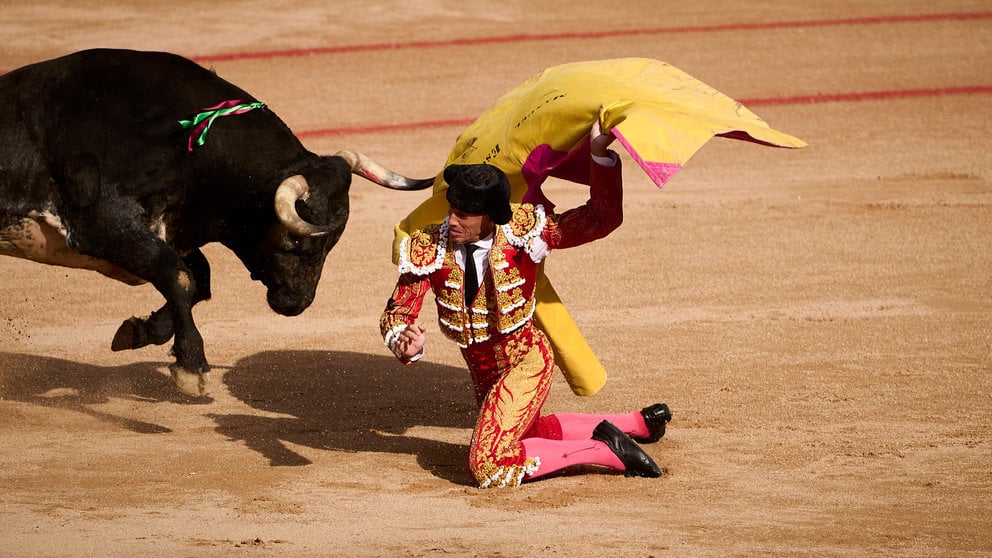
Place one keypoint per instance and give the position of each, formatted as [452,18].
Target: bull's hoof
[197,385]
[128,335]
[135,333]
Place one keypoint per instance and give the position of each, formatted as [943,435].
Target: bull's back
[114,85]
[109,115]
[120,106]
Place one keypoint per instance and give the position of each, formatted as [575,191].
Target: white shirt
[481,256]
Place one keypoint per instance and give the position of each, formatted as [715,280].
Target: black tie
[471,276]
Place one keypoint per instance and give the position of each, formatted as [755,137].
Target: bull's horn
[292,189]
[370,170]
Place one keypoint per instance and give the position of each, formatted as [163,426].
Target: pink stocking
[558,454]
[579,426]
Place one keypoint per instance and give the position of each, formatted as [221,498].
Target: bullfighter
[482,265]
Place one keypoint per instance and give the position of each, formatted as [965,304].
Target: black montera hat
[479,189]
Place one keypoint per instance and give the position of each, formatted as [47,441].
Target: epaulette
[526,223]
[423,251]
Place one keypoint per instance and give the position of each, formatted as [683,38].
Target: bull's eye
[290,243]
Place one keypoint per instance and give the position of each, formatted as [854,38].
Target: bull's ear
[293,189]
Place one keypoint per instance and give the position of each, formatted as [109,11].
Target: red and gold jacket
[506,297]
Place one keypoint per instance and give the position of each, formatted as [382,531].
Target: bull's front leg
[191,371]
[138,251]
[156,328]
[106,220]
[177,283]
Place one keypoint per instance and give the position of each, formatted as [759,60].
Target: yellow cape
[659,114]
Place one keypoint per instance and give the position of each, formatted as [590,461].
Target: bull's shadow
[55,382]
[350,402]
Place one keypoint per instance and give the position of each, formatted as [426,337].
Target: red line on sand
[867,20]
[870,95]
[385,127]
[818,98]
[766,101]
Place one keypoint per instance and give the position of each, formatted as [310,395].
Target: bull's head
[312,210]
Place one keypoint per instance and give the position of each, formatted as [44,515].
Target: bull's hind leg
[157,329]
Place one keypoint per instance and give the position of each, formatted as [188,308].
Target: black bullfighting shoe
[635,461]
[656,416]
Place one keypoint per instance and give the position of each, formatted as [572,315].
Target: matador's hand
[411,340]
[599,141]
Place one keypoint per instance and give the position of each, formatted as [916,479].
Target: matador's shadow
[349,402]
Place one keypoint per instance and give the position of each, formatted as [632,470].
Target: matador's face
[468,227]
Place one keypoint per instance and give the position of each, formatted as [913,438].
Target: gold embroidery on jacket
[505,302]
[424,250]
[524,220]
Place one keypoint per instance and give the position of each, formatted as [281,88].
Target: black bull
[96,172]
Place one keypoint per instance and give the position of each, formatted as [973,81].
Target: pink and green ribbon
[202,122]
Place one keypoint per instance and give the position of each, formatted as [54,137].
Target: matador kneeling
[482,264]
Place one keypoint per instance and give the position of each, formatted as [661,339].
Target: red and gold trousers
[512,377]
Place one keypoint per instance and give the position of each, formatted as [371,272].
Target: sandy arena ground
[819,320]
